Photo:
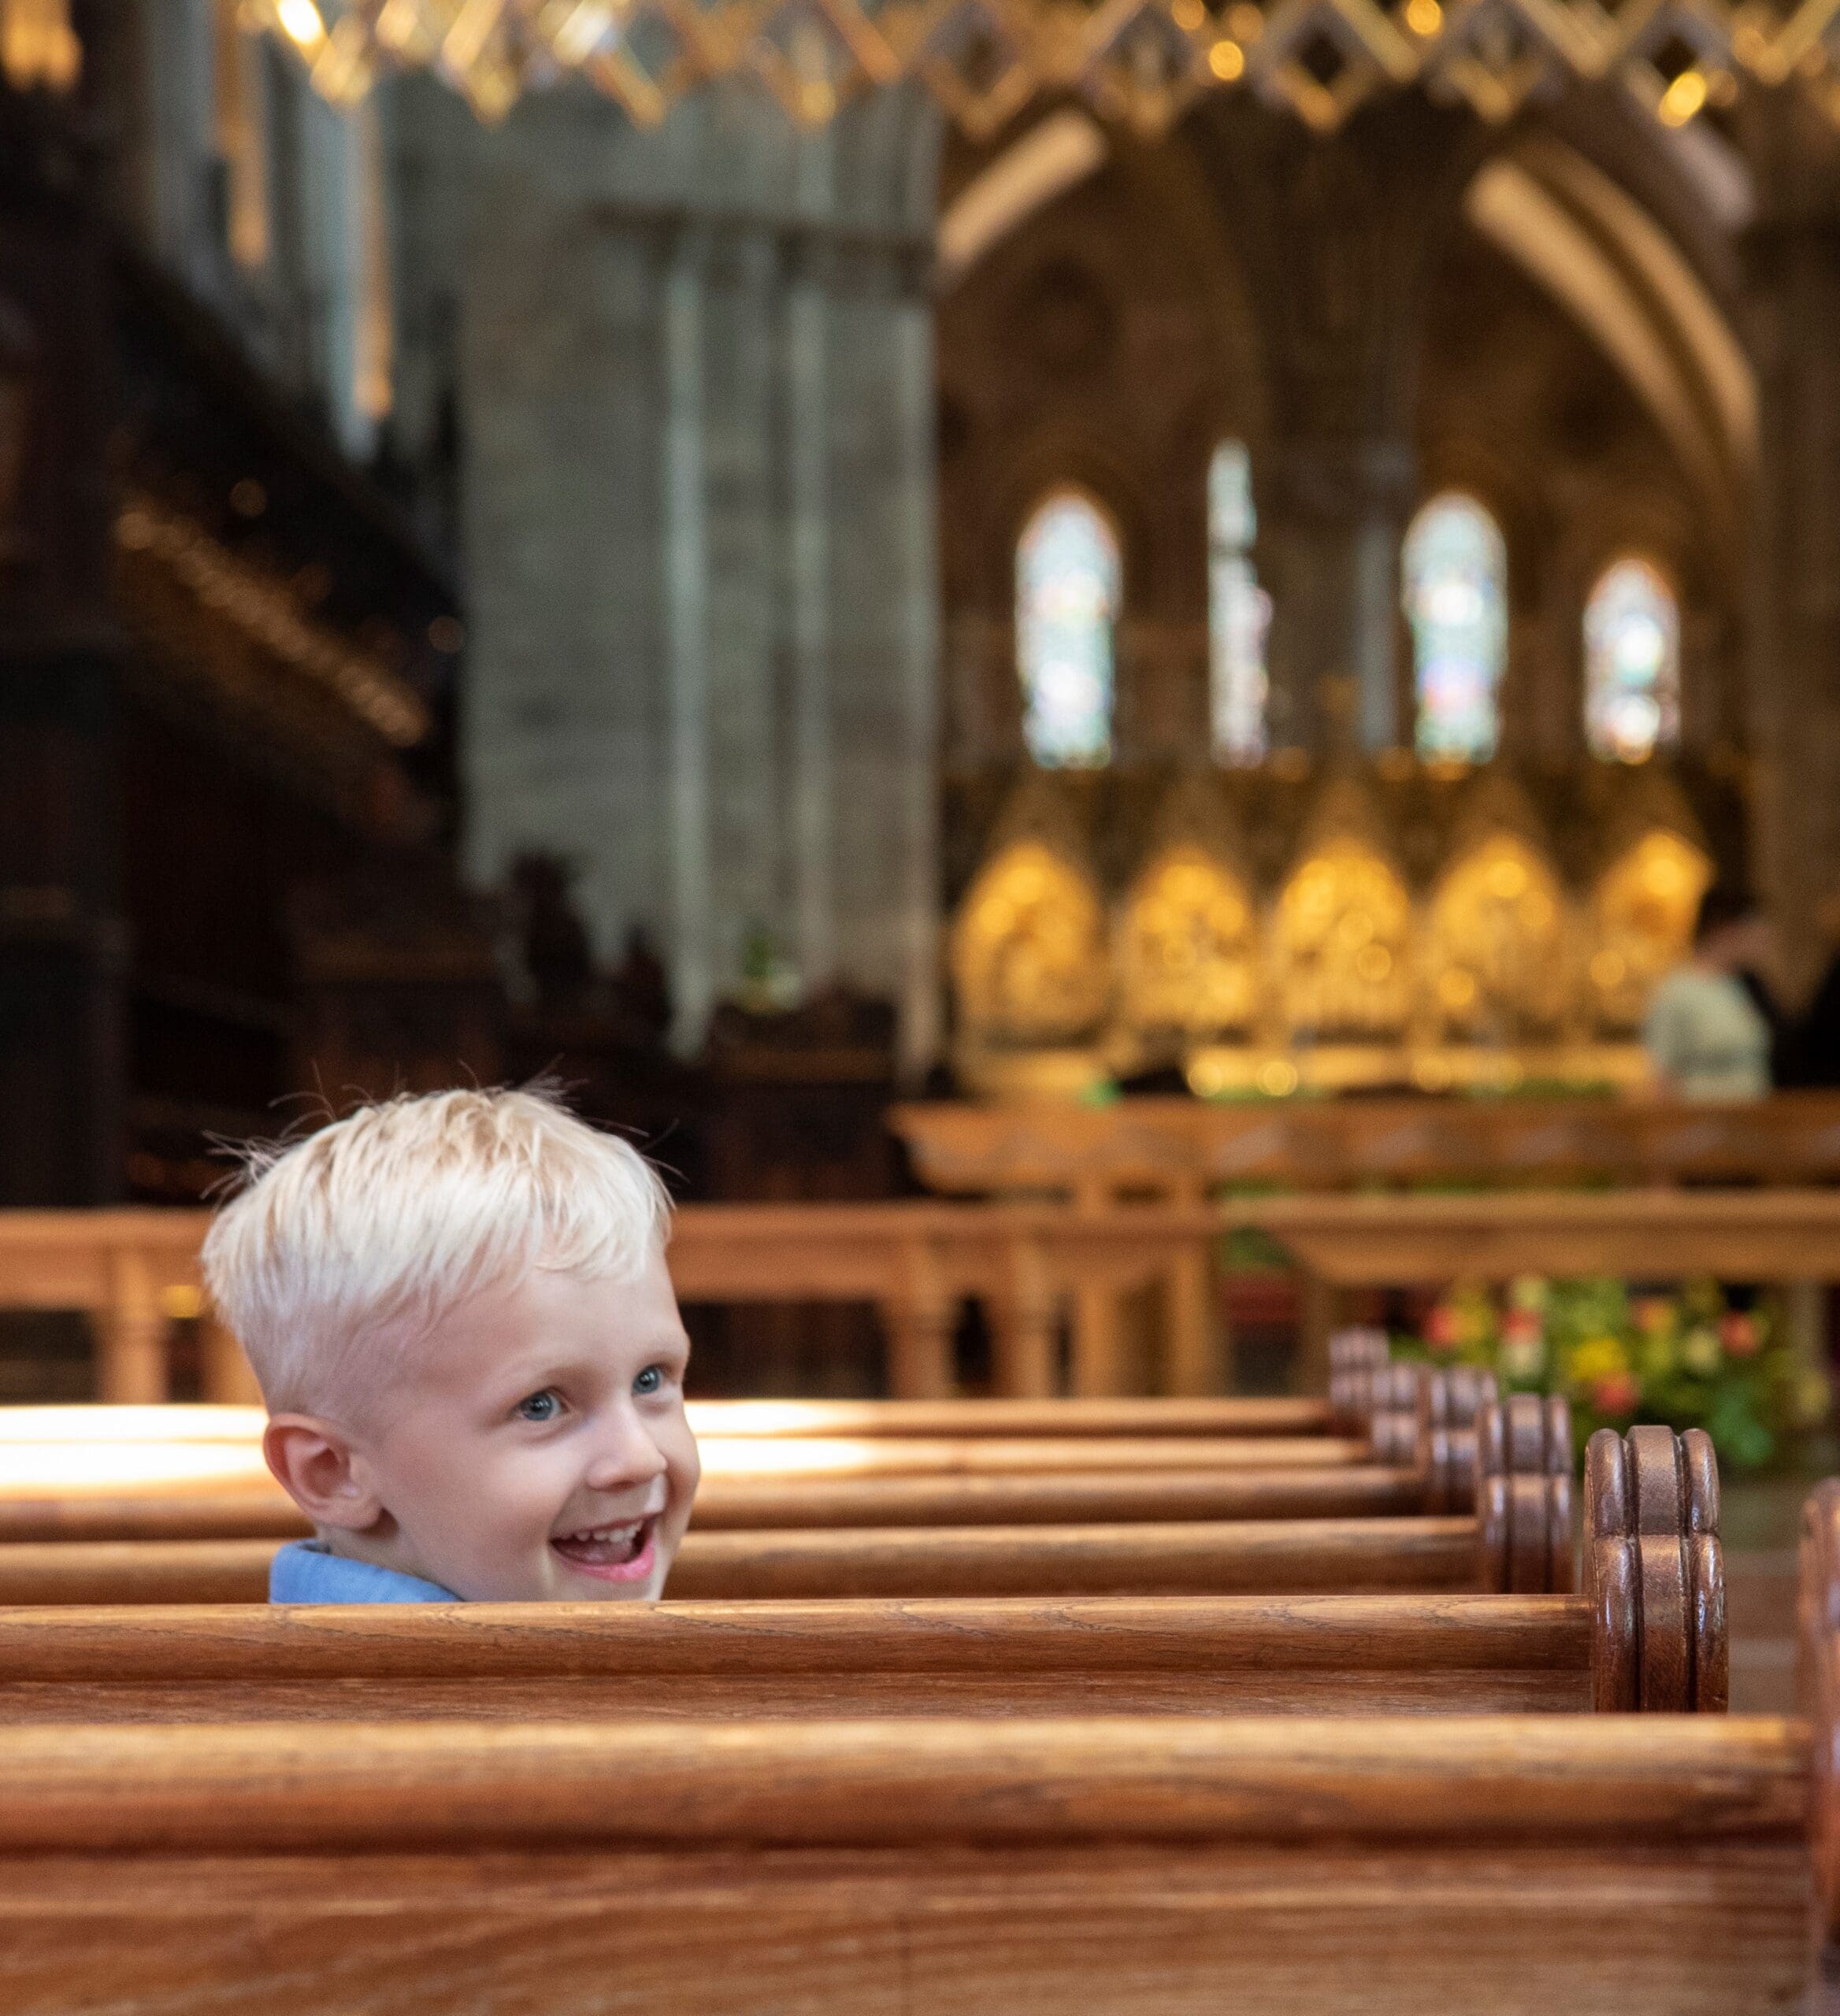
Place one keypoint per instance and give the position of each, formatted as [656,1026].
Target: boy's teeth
[601,1542]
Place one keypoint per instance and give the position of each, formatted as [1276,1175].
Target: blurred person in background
[1711,1027]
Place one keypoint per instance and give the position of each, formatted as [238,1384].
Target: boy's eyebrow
[531,1374]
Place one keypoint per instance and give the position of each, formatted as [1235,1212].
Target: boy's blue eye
[649,1380]
[540,1406]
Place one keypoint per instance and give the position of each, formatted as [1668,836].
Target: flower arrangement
[1689,1359]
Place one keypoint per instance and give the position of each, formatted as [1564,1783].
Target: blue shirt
[308,1572]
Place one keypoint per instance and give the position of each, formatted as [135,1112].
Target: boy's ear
[314,1462]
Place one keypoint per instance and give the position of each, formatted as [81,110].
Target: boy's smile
[614,1552]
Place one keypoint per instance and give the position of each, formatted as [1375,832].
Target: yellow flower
[1701,1353]
[1598,1357]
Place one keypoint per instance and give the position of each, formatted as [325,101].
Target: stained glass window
[1456,602]
[1068,591]
[1239,611]
[1632,663]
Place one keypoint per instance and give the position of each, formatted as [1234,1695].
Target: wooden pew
[1529,1552]
[1204,1558]
[1362,1491]
[1475,1653]
[1505,1864]
[1093,1655]
[1419,1425]
[1484,1863]
[1508,1864]
[797,1419]
[1136,1416]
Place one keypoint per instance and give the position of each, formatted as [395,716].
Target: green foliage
[1688,1358]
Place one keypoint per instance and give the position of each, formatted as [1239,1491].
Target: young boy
[458,1308]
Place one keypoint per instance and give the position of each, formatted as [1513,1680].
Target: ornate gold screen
[1498,974]
[1342,947]
[1499,959]
[1028,954]
[1188,948]
[1642,918]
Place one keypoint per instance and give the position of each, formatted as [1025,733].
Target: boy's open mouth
[623,1553]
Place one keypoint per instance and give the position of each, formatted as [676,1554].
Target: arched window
[1239,611]
[1068,592]
[1632,663]
[1456,568]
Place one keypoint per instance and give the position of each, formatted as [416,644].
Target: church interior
[1151,689]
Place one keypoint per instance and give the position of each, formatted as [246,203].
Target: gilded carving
[1342,947]
[1498,963]
[1189,947]
[1344,974]
[1028,953]
[1642,918]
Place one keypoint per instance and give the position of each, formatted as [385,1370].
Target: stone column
[1793,262]
[1340,509]
[918,674]
[806,324]
[1339,246]
[703,651]
[686,562]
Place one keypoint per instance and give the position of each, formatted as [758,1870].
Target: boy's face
[537,1448]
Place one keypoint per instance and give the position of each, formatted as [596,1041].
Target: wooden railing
[1184,1149]
[134,1270]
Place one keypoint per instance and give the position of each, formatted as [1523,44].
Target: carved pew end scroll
[1357,1358]
[1655,1572]
[1523,1496]
[1450,1404]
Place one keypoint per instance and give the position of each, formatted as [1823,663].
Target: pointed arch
[1632,662]
[1455,568]
[1070,589]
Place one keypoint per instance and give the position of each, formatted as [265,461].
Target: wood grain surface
[58,1470]
[1223,1557]
[1106,1930]
[331,1788]
[1471,1654]
[1273,1556]
[874,1456]
[1258,1415]
[1100,1498]
[1271,1690]
[730,1504]
[174,1515]
[1184,1635]
[1654,1571]
[800,1419]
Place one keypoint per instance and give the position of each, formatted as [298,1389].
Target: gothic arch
[1615,271]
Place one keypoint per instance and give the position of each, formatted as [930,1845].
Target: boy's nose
[627,1456]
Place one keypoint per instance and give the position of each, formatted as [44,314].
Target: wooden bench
[1524,1545]
[1116,1863]
[1652,1637]
[1421,1424]
[800,1419]
[1117,1866]
[1360,1492]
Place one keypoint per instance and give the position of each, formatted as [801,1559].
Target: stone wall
[695,382]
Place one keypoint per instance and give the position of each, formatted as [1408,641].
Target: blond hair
[346,1248]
